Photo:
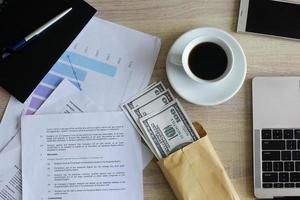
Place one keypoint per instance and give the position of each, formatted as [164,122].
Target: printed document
[10,121]
[107,61]
[79,156]
[10,171]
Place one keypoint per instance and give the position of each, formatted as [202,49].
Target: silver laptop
[276,136]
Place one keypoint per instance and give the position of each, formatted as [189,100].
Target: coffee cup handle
[175,59]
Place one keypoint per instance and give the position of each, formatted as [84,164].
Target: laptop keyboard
[280,158]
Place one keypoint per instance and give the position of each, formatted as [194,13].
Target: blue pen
[35,33]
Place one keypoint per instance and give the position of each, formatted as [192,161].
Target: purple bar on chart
[35,103]
[43,91]
[29,112]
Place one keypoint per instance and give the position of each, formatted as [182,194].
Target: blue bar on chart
[68,70]
[89,63]
[52,80]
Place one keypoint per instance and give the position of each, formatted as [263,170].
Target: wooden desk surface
[229,124]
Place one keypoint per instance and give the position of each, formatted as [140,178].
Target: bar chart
[72,66]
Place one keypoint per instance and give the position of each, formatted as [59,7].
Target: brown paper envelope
[196,172]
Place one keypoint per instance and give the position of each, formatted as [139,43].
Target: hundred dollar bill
[151,106]
[141,95]
[145,96]
[127,109]
[148,143]
[169,129]
[150,91]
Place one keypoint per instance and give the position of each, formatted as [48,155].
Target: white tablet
[277,18]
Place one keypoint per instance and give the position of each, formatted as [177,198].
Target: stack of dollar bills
[160,120]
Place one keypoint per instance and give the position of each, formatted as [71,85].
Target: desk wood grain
[229,124]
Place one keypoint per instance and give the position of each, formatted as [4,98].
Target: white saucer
[211,93]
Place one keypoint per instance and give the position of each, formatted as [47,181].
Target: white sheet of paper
[109,62]
[10,171]
[67,98]
[10,121]
[79,156]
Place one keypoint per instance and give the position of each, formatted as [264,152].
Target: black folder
[22,71]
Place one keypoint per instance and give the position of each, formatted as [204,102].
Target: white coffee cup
[183,60]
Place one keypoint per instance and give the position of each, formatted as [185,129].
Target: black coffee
[208,61]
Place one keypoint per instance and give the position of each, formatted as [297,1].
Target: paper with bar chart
[107,61]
